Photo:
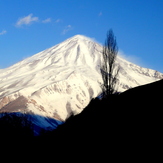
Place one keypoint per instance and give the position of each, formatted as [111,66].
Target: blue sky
[30,26]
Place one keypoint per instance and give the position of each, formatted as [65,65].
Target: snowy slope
[62,80]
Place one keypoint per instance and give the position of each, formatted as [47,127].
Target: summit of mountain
[63,79]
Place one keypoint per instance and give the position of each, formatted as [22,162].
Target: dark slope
[148,94]
[140,117]
[141,108]
[126,125]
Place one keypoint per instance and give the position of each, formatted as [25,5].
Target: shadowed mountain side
[82,134]
[126,124]
[141,109]
[122,127]
[140,116]
[22,129]
[145,93]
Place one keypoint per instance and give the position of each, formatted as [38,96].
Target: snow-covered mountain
[62,80]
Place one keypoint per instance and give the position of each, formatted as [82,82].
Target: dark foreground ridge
[120,127]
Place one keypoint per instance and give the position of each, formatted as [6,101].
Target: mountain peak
[62,80]
[81,37]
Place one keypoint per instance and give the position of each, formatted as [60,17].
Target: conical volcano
[62,80]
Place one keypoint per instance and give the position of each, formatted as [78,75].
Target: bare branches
[109,70]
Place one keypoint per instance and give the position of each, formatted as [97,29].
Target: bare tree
[109,69]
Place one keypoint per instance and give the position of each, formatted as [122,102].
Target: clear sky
[30,26]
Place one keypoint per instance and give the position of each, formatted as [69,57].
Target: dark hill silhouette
[120,127]
[126,125]
[140,117]
[142,111]
[148,94]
